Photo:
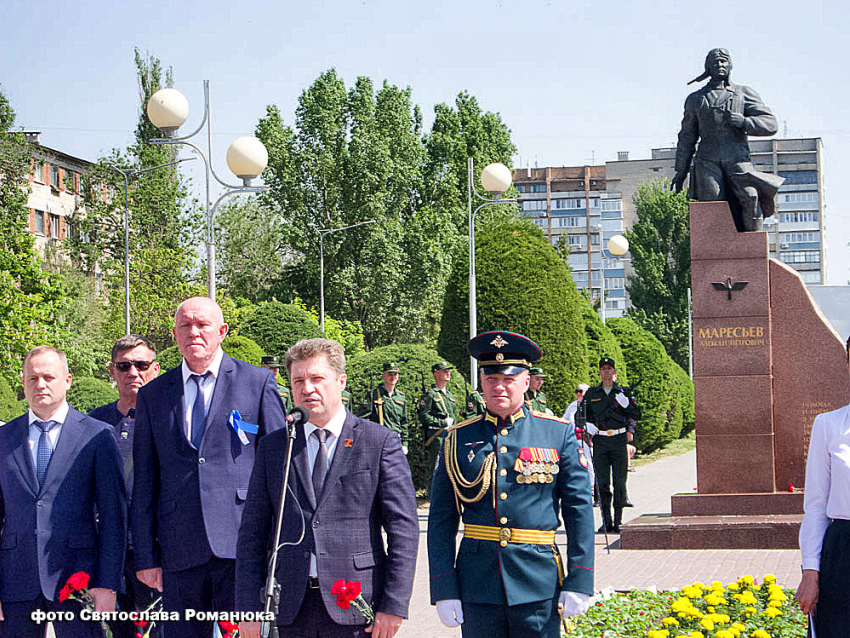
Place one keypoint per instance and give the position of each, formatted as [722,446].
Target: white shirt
[827,481]
[53,435]
[334,429]
[570,414]
[190,390]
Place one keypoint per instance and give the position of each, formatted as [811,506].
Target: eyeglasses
[124,366]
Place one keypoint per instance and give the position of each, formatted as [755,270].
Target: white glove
[449,421]
[572,602]
[404,449]
[451,612]
[622,400]
[592,430]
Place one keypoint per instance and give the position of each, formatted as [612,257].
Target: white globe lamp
[247,157]
[168,109]
[496,178]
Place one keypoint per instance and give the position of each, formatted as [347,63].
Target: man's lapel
[220,393]
[302,465]
[22,454]
[342,455]
[69,442]
[175,401]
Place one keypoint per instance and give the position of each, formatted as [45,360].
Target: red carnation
[78,581]
[229,627]
[790,487]
[343,602]
[352,589]
[338,586]
[141,623]
[64,593]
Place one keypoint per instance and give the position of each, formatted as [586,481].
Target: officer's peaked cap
[500,352]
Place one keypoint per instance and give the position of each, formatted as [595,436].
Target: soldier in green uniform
[511,475]
[474,405]
[346,400]
[273,364]
[387,406]
[436,412]
[535,399]
[611,414]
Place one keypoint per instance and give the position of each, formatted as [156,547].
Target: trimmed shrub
[601,342]
[657,384]
[686,393]
[275,326]
[88,393]
[523,286]
[415,362]
[10,407]
[236,346]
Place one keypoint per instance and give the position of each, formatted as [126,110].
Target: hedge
[601,342]
[88,393]
[10,407]
[238,347]
[661,392]
[523,286]
[415,362]
[276,326]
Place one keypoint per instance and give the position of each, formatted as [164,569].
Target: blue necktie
[199,416]
[44,451]
[320,467]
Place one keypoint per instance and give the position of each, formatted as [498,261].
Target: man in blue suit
[197,429]
[350,481]
[58,469]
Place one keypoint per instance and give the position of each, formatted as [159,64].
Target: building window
[70,181]
[791,218]
[568,203]
[800,197]
[534,204]
[801,257]
[54,176]
[615,282]
[799,177]
[39,222]
[537,188]
[38,170]
[798,237]
[576,240]
[811,276]
[594,239]
[54,226]
[612,224]
[612,205]
[570,222]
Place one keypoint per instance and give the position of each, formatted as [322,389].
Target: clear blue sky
[575,81]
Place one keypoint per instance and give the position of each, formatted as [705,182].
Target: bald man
[197,429]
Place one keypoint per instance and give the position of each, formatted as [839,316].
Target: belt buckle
[505,534]
[610,432]
[312,582]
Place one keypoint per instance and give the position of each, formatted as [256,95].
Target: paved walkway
[650,488]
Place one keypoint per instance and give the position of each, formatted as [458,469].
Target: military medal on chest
[536,465]
[472,445]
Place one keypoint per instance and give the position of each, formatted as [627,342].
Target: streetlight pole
[602,273]
[496,179]
[128,175]
[322,232]
[247,157]
[617,246]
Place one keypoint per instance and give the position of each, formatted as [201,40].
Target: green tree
[275,326]
[236,346]
[10,407]
[524,287]
[86,394]
[164,226]
[601,342]
[660,247]
[31,300]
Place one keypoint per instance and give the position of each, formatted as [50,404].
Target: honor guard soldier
[346,400]
[387,406]
[534,397]
[437,410]
[273,364]
[511,475]
[474,405]
[611,414]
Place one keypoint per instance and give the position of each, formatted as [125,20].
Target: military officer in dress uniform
[611,414]
[273,364]
[510,474]
[535,399]
[436,412]
[387,406]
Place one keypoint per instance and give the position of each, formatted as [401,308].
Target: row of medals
[537,472]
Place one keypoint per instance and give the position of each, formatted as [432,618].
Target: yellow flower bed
[742,609]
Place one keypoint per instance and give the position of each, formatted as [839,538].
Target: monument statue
[720,116]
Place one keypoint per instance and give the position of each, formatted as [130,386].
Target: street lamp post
[617,246]
[128,175]
[496,178]
[322,232]
[168,109]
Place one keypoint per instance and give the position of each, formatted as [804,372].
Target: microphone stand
[271,592]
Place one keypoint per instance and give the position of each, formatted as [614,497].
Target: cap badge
[500,356]
[499,342]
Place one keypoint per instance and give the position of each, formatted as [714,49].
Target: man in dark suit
[58,468]
[197,429]
[350,480]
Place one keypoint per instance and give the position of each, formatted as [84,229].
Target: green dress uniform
[284,393]
[388,409]
[510,480]
[537,401]
[346,400]
[435,407]
[610,454]
[474,405]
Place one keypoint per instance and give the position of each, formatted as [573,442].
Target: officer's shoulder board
[468,421]
[551,417]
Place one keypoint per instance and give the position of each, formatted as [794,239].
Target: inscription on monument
[730,336]
[808,411]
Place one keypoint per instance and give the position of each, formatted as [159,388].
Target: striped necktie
[44,451]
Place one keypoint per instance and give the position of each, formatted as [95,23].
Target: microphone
[298,415]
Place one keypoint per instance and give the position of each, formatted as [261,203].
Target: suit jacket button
[503,520]
[503,472]
[315,524]
[39,503]
[201,461]
[503,449]
[503,496]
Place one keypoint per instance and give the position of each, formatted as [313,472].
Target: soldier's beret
[500,352]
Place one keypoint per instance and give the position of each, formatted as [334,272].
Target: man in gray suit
[350,481]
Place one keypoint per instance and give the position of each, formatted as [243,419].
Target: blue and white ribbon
[241,427]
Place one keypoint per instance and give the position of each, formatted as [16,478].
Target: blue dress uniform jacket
[489,571]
